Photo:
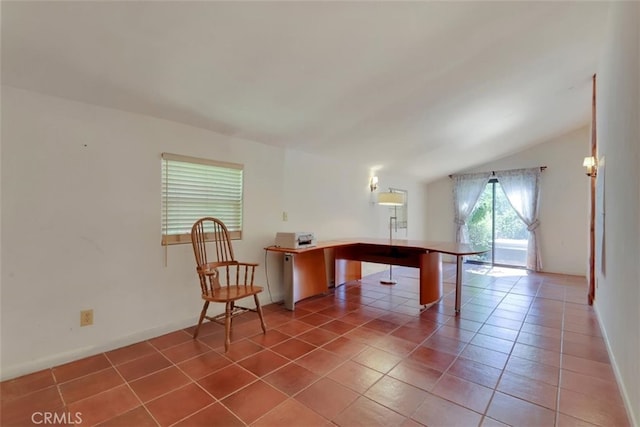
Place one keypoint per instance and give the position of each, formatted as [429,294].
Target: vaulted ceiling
[426,88]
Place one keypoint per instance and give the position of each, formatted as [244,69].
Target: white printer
[295,239]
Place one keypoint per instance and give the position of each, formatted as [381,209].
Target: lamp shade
[391,199]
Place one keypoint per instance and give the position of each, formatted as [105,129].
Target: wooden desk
[306,269]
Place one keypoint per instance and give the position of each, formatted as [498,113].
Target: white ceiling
[426,88]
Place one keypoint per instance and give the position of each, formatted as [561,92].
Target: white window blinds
[193,188]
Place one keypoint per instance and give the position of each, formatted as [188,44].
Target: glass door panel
[480,226]
[494,224]
[511,237]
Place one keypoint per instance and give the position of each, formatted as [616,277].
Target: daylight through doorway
[494,224]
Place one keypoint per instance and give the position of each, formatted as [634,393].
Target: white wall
[336,196]
[333,199]
[618,284]
[81,223]
[563,201]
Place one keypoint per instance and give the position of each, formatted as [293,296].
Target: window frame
[184,238]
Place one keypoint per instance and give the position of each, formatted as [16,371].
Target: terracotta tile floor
[526,351]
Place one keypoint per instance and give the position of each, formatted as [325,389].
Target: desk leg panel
[347,271]
[430,278]
[348,266]
[459,260]
[307,276]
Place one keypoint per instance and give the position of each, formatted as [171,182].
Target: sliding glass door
[494,224]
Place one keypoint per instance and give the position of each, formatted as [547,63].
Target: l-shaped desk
[306,268]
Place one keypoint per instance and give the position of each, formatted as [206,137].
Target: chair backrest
[214,231]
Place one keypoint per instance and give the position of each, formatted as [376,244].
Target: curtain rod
[493,173]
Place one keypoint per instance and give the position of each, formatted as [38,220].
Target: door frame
[592,205]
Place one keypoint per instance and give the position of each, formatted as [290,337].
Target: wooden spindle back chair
[224,280]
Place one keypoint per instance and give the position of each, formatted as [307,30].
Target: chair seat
[231,293]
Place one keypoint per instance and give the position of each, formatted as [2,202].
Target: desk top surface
[449,248]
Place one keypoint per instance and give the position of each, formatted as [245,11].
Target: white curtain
[522,188]
[467,189]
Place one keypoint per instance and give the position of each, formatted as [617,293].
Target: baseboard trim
[621,385]
[48,362]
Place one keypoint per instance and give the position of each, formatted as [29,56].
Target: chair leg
[202,314]
[227,326]
[259,310]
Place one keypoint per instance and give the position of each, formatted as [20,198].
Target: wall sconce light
[591,165]
[373,183]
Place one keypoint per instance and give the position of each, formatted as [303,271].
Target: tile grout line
[133,392]
[503,370]
[557,412]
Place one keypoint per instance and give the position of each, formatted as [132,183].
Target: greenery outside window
[494,224]
[193,188]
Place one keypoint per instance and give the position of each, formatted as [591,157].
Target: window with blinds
[193,188]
